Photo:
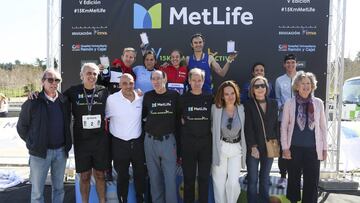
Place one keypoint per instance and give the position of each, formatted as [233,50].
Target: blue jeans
[39,167]
[254,175]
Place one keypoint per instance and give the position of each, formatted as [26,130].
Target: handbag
[272,145]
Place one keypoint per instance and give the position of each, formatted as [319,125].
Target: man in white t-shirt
[124,110]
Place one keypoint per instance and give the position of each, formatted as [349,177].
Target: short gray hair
[51,71]
[195,71]
[92,66]
[301,75]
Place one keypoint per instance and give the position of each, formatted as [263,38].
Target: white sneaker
[282,183]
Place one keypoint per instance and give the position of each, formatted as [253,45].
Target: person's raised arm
[217,68]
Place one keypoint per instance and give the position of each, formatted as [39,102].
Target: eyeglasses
[52,80]
[257,86]
[229,124]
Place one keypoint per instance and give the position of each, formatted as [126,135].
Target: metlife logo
[147,19]
[152,18]
[233,16]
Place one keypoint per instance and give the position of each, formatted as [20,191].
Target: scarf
[301,116]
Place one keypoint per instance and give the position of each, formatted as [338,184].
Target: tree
[17,62]
[40,63]
[357,58]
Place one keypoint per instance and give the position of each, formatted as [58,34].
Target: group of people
[174,118]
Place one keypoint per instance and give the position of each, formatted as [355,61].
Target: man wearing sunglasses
[44,124]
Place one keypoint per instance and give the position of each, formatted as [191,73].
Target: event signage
[263,31]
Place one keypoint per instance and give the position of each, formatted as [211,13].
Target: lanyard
[89,105]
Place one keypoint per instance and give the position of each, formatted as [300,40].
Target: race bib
[91,121]
[177,87]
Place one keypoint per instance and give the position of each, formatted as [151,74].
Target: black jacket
[254,133]
[32,124]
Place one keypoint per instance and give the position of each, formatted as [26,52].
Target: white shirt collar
[52,98]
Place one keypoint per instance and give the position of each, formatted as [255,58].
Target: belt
[229,140]
[159,138]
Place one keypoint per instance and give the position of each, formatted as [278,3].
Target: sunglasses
[52,80]
[257,86]
[229,124]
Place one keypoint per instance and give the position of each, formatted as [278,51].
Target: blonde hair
[195,71]
[301,75]
[129,49]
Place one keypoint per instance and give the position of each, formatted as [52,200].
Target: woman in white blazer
[229,147]
[303,138]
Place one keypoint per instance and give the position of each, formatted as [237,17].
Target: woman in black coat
[259,107]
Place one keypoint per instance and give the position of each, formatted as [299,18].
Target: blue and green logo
[147,19]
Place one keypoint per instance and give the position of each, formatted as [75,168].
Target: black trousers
[304,161]
[196,154]
[124,153]
[282,163]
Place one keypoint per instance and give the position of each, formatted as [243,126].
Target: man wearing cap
[44,124]
[283,92]
[124,109]
[160,112]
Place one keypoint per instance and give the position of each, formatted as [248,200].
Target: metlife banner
[263,31]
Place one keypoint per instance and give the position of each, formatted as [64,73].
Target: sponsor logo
[283,47]
[89,31]
[293,32]
[297,30]
[75,47]
[89,10]
[300,65]
[211,16]
[89,47]
[309,33]
[194,108]
[299,1]
[297,47]
[160,104]
[147,19]
[89,2]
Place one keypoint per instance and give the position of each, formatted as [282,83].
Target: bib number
[91,121]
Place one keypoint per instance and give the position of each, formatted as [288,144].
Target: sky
[23,30]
